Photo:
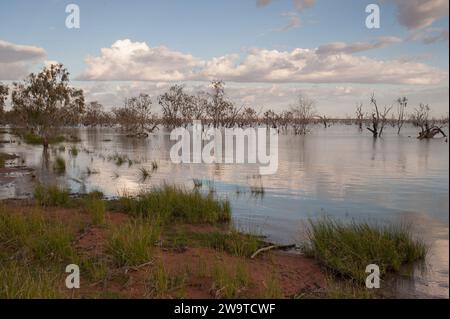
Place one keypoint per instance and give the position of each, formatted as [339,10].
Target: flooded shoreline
[337,172]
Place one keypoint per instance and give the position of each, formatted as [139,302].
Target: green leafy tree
[45,101]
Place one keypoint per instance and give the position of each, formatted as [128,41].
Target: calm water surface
[336,171]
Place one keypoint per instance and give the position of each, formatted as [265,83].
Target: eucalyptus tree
[45,101]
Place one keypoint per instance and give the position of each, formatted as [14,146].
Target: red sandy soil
[294,273]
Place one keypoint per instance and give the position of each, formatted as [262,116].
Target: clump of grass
[272,288]
[36,237]
[19,281]
[60,165]
[133,243]
[173,203]
[5,157]
[34,139]
[51,195]
[62,148]
[96,208]
[154,165]
[95,268]
[118,159]
[144,173]
[347,249]
[230,283]
[164,285]
[73,151]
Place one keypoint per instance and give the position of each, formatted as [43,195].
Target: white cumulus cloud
[332,63]
[127,60]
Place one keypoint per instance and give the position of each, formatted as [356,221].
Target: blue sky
[207,29]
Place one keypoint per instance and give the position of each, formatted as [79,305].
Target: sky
[267,51]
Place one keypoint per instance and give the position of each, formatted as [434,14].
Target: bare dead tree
[271,119]
[286,119]
[421,119]
[359,116]
[176,106]
[379,119]
[303,114]
[95,115]
[220,110]
[402,102]
[247,117]
[324,121]
[135,117]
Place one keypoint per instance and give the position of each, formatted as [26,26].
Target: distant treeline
[46,101]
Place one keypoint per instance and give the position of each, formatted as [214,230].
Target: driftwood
[136,268]
[267,248]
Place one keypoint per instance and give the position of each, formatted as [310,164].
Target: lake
[337,171]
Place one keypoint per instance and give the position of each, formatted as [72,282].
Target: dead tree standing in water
[379,119]
[401,112]
[359,116]
[420,117]
[303,114]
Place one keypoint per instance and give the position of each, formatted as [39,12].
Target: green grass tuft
[60,165]
[73,151]
[96,207]
[51,195]
[23,282]
[230,283]
[35,237]
[133,243]
[176,204]
[162,284]
[347,249]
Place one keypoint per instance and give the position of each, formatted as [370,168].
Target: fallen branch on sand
[136,268]
[256,253]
